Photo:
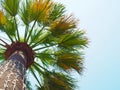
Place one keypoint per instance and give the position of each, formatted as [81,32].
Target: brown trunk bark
[12,72]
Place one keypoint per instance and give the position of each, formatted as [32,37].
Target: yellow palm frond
[41,9]
[63,24]
[2,18]
[69,61]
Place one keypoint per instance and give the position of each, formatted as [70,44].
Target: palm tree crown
[51,40]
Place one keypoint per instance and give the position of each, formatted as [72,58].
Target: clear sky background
[101,20]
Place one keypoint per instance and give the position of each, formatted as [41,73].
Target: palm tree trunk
[12,72]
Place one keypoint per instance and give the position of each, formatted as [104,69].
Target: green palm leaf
[46,57]
[25,12]
[57,81]
[1,53]
[69,61]
[10,28]
[11,6]
[57,11]
[74,40]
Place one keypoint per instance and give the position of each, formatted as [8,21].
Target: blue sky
[101,21]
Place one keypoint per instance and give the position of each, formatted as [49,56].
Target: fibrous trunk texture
[12,72]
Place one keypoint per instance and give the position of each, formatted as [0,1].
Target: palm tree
[39,39]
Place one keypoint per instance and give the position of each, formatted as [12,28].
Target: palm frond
[74,40]
[68,61]
[57,11]
[46,57]
[2,19]
[33,71]
[10,27]
[28,85]
[25,12]
[2,51]
[40,37]
[11,6]
[62,25]
[42,9]
[57,81]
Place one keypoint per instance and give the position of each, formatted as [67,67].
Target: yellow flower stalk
[2,18]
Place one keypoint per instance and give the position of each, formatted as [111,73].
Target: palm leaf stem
[10,37]
[35,22]
[2,45]
[31,30]
[4,38]
[42,67]
[17,29]
[44,47]
[37,55]
[25,35]
[38,69]
[37,34]
[35,76]
[3,41]
[34,45]
[15,38]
